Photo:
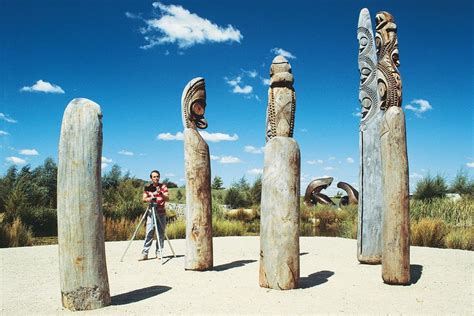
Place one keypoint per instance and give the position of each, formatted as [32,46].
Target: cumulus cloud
[212,137]
[350,160]
[235,83]
[16,160]
[255,171]
[29,152]
[6,118]
[253,150]
[178,25]
[217,137]
[3,133]
[43,86]
[315,161]
[265,81]
[169,136]
[106,162]
[470,164]
[284,53]
[419,106]
[229,159]
[126,153]
[215,157]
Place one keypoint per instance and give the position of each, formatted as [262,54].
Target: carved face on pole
[389,80]
[193,104]
[368,96]
[281,100]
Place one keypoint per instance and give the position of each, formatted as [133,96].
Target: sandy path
[332,281]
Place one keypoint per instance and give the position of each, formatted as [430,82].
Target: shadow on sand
[138,295]
[230,265]
[416,271]
[315,279]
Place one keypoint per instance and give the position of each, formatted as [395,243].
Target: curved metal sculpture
[313,195]
[352,194]
[281,100]
[396,220]
[193,104]
[199,252]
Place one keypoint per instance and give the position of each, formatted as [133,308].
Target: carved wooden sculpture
[313,193]
[396,220]
[279,232]
[352,196]
[82,266]
[369,228]
[199,254]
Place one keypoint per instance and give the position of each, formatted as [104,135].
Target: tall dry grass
[458,213]
[428,232]
[15,234]
[460,238]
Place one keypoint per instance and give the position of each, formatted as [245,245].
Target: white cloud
[329,168]
[126,153]
[229,159]
[266,81]
[332,158]
[217,137]
[169,136]
[350,160]
[357,113]
[3,133]
[43,86]
[215,157]
[6,118]
[415,175]
[106,162]
[243,90]
[16,160]
[170,174]
[419,106]
[255,171]
[251,73]
[313,162]
[178,25]
[284,53]
[253,150]
[470,164]
[212,137]
[29,152]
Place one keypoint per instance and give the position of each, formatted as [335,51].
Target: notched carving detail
[193,104]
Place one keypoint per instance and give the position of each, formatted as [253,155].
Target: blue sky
[134,58]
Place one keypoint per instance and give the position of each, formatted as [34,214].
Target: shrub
[176,229]
[245,215]
[428,232]
[122,229]
[462,184]
[429,188]
[460,238]
[43,221]
[227,228]
[15,234]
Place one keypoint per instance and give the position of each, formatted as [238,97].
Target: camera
[153,199]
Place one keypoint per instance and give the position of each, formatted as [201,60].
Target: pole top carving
[193,104]
[280,73]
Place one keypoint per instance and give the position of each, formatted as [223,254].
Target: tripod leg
[166,236]
[157,235]
[133,236]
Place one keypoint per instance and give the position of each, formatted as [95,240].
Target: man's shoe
[143,257]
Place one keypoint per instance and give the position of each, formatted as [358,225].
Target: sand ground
[332,281]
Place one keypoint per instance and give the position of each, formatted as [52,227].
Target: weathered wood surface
[396,219]
[199,254]
[82,265]
[279,230]
[369,228]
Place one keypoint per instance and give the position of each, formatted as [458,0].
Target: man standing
[156,194]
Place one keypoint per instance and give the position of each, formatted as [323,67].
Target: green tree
[256,191]
[169,183]
[179,196]
[430,187]
[217,183]
[462,184]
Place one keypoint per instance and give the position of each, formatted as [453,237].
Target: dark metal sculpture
[313,195]
[352,196]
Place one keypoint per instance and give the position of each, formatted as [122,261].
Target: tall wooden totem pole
[279,232]
[396,219]
[199,255]
[82,265]
[369,228]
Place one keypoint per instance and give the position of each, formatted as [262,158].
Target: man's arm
[145,198]
[164,192]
